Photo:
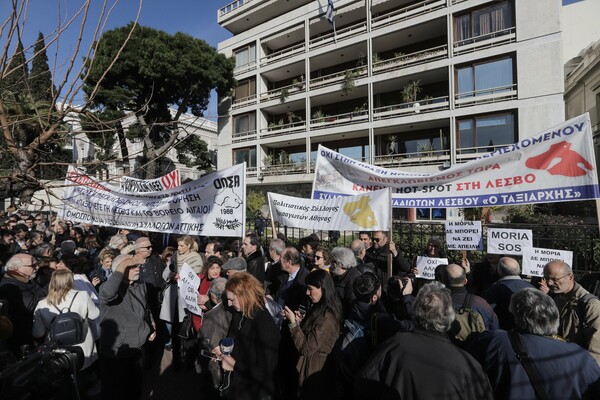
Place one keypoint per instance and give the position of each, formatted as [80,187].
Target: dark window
[483,23]
[248,155]
[485,78]
[485,133]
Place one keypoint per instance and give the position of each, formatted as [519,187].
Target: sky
[197,18]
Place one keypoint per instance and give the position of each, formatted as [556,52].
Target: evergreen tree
[14,81]
[40,78]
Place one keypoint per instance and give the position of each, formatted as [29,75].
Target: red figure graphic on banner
[570,162]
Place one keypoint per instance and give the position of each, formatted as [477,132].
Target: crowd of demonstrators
[296,322]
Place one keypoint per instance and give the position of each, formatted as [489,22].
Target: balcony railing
[234,5]
[408,60]
[415,107]
[243,136]
[279,93]
[244,68]
[330,121]
[411,11]
[282,54]
[424,157]
[283,129]
[243,102]
[251,171]
[489,40]
[284,169]
[341,34]
[484,96]
[337,77]
[468,153]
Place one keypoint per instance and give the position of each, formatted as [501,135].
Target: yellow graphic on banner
[361,213]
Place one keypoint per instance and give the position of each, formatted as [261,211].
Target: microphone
[226,346]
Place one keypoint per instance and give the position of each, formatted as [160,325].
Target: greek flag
[330,10]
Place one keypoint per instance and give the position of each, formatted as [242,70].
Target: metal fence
[582,240]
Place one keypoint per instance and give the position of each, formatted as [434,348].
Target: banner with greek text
[369,212]
[555,165]
[426,266]
[463,235]
[535,258]
[213,205]
[508,241]
[165,182]
[187,289]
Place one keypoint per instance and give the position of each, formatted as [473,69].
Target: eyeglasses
[555,280]
[146,247]
[33,266]
[376,240]
[318,258]
[39,219]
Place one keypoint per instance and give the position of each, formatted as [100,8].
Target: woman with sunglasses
[322,259]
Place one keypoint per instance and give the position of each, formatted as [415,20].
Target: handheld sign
[534,259]
[427,265]
[463,235]
[508,241]
[187,287]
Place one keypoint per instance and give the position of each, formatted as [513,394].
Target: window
[485,78]
[431,213]
[483,22]
[244,123]
[245,88]
[245,55]
[248,155]
[485,133]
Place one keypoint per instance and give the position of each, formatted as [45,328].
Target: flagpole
[273,234]
[334,33]
[391,238]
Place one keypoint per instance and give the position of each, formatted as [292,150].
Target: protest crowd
[272,321]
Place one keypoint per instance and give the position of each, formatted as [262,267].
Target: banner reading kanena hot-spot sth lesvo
[555,165]
[213,205]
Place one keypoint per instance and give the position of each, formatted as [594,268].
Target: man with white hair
[565,370]
[578,309]
[22,293]
[424,364]
[126,324]
[343,269]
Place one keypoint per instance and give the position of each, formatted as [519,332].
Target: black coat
[379,258]
[344,287]
[256,265]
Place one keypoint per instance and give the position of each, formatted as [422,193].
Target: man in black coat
[378,255]
[254,259]
[343,268]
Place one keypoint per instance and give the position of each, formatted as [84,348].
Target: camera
[46,372]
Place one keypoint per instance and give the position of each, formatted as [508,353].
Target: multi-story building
[415,85]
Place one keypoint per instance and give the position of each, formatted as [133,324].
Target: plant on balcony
[359,110]
[298,83]
[411,91]
[426,149]
[392,144]
[318,116]
[349,83]
[376,58]
[284,94]
[268,160]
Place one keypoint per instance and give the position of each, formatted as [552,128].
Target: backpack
[354,346]
[67,328]
[584,327]
[467,322]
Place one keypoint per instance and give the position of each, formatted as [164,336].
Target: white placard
[187,286]
[463,235]
[426,266]
[508,241]
[534,259]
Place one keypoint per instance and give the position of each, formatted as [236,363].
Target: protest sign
[463,235]
[213,205]
[426,266]
[369,211]
[187,286]
[508,241]
[165,182]
[534,259]
[555,165]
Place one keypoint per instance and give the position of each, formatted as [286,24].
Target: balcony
[240,137]
[282,54]
[274,130]
[485,96]
[243,102]
[282,93]
[330,121]
[241,15]
[244,68]
[409,60]
[284,169]
[406,13]
[338,36]
[337,77]
[412,108]
[486,41]
[422,157]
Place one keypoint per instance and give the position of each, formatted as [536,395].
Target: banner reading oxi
[165,182]
[213,205]
[555,165]
[368,212]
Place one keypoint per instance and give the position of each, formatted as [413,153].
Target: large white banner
[463,235]
[535,258]
[213,205]
[369,212]
[165,182]
[508,241]
[551,166]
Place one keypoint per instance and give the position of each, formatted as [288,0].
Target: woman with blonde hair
[251,366]
[62,296]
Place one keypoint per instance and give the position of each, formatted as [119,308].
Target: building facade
[414,85]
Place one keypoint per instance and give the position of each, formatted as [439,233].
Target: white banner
[213,205]
[370,212]
[187,288]
[165,182]
[463,235]
[508,241]
[554,165]
[534,259]
[426,266]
